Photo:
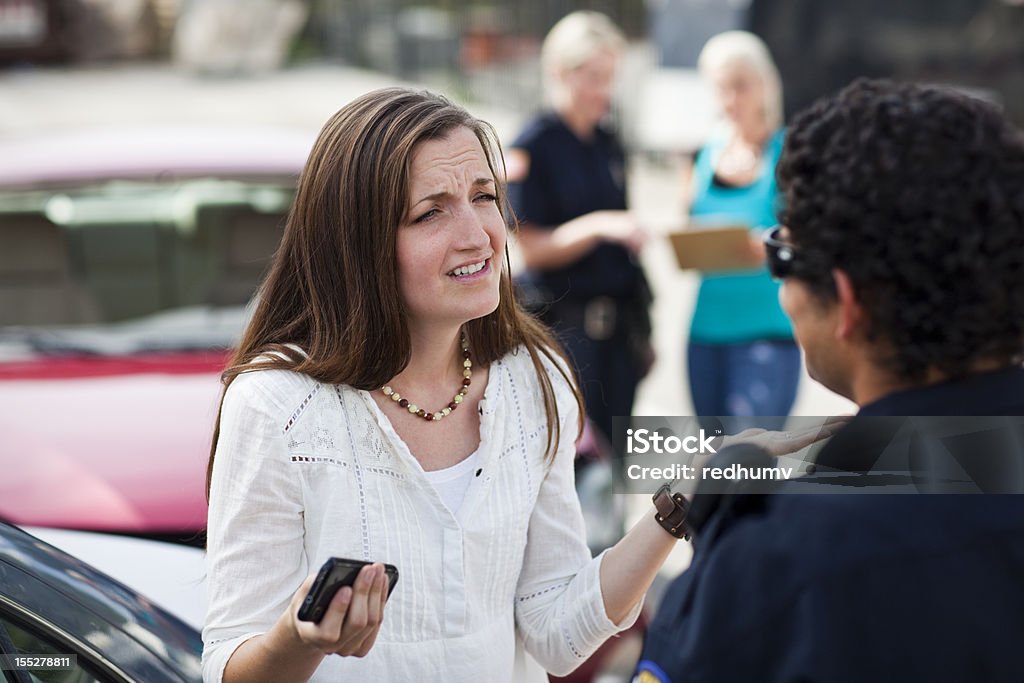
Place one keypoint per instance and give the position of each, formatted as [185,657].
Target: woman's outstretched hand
[619,227]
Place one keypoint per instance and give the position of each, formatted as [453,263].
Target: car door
[32,655]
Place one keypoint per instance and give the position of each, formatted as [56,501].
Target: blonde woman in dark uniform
[567,174]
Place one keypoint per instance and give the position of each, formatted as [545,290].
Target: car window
[30,644]
[97,253]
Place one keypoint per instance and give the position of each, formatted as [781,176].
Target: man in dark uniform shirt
[902,260]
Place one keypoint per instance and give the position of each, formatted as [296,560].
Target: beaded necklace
[467,379]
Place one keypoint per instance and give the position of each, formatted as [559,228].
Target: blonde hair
[742,48]
[573,41]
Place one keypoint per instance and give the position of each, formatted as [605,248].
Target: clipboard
[718,248]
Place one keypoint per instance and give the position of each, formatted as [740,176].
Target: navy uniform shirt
[568,178]
[856,587]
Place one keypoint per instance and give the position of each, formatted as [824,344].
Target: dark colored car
[52,605]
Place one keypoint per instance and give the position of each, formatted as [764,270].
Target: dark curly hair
[917,193]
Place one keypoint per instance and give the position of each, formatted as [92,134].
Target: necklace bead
[467,380]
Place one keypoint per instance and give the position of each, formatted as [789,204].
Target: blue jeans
[749,379]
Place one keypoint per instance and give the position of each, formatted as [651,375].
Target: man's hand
[783,443]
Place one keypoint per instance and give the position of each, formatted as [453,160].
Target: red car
[127,260]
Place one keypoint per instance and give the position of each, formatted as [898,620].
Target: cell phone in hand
[336,573]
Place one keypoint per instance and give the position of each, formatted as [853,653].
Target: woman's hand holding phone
[352,621]
[293,649]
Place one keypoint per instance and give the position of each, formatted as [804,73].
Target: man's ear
[851,312]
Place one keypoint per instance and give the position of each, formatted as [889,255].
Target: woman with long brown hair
[389,402]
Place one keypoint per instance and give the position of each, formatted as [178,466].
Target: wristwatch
[670,512]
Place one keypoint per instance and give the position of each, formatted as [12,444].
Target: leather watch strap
[670,512]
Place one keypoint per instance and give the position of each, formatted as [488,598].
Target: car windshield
[121,267]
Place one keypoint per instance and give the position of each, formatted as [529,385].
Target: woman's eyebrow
[445,193]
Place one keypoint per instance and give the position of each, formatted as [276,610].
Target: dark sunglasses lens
[780,256]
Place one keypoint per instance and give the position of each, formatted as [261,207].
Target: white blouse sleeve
[559,609]
[255,558]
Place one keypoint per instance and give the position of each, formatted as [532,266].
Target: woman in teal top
[741,356]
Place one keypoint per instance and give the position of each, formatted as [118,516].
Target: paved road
[53,99]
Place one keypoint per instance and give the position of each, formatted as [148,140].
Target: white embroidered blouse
[305,471]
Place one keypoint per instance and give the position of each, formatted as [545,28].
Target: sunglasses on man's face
[785,260]
[782,257]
